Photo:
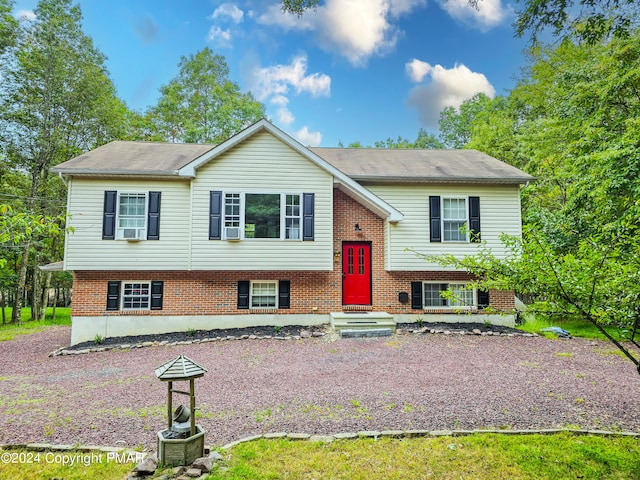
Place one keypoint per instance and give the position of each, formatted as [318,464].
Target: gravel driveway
[316,385]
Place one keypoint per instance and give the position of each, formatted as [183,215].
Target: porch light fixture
[357,228]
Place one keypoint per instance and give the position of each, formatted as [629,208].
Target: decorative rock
[476,331]
[369,434]
[318,334]
[392,433]
[216,456]
[147,344]
[204,464]
[305,334]
[193,472]
[146,467]
[275,435]
[298,436]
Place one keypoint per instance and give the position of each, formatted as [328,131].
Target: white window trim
[463,308]
[251,285]
[442,219]
[283,216]
[122,295]
[142,235]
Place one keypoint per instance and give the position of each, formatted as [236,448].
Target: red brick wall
[215,292]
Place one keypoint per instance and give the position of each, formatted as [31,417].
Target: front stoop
[363,324]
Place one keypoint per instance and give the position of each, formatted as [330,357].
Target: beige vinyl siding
[262,164]
[499,213]
[85,249]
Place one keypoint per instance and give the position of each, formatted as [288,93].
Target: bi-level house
[261,230]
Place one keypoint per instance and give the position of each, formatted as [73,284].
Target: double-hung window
[454,219]
[136,295]
[262,215]
[457,296]
[132,215]
[264,294]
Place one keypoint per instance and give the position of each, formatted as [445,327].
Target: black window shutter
[243,294]
[153,216]
[483,299]
[215,215]
[474,218]
[284,293]
[109,215]
[157,286]
[113,295]
[308,209]
[435,216]
[416,295]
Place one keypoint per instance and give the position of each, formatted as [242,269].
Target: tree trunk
[44,302]
[3,304]
[18,301]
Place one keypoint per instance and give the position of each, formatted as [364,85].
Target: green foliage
[585,19]
[455,124]
[201,104]
[8,25]
[8,332]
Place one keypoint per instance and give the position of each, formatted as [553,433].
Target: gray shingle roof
[424,166]
[134,158]
[361,164]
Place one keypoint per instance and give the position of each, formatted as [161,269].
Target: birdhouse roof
[180,368]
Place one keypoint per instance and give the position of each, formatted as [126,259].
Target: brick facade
[215,292]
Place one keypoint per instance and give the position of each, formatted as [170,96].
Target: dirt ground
[317,386]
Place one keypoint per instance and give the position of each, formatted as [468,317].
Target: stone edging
[459,331]
[418,433]
[304,334]
[322,438]
[129,346]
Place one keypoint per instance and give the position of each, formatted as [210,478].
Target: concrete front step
[362,321]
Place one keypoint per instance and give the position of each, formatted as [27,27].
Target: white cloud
[417,69]
[26,15]
[222,37]
[277,80]
[356,29]
[489,13]
[447,88]
[311,139]
[228,10]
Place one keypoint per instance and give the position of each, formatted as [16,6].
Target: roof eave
[434,180]
[115,173]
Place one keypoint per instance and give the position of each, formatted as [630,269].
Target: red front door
[356,274]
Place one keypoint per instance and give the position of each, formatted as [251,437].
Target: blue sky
[354,70]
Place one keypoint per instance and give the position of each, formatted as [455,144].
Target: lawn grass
[479,456]
[34,465]
[577,328]
[9,331]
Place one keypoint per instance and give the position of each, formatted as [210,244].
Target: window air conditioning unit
[132,233]
[232,233]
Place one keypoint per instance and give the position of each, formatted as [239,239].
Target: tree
[8,25]
[201,104]
[455,124]
[598,281]
[590,20]
[56,101]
